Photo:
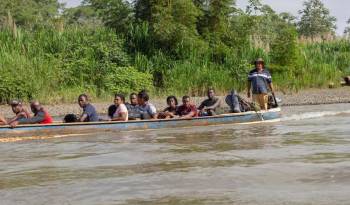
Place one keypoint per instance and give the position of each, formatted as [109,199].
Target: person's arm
[2,120]
[201,107]
[19,116]
[122,117]
[216,104]
[153,112]
[33,120]
[191,114]
[154,116]
[83,117]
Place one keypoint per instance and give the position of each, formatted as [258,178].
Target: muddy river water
[304,159]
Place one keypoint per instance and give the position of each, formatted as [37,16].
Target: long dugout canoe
[60,128]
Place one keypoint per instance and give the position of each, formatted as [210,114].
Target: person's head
[142,97]
[69,118]
[186,101]
[119,99]
[211,93]
[83,100]
[259,64]
[16,106]
[171,101]
[35,106]
[133,98]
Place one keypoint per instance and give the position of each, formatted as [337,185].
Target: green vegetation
[168,47]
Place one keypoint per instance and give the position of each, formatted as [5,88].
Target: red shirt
[183,110]
[47,118]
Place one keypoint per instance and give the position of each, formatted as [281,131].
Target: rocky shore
[306,97]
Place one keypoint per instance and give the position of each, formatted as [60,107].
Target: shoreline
[301,98]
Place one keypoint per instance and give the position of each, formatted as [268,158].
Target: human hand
[13,124]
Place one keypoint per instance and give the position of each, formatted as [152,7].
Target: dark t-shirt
[259,81]
[182,110]
[208,103]
[91,113]
[172,110]
[133,110]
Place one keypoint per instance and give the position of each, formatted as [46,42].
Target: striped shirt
[259,81]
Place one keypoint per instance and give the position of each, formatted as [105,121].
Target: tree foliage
[347,28]
[316,20]
[29,12]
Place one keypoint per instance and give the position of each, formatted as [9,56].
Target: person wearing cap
[259,83]
[41,116]
[19,110]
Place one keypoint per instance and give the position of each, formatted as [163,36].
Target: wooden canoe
[59,128]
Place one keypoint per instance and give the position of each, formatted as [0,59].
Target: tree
[82,15]
[316,20]
[116,14]
[347,29]
[29,12]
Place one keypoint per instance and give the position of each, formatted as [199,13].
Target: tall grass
[56,66]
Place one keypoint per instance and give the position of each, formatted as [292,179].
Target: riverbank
[306,97]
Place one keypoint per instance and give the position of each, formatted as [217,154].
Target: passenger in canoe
[41,116]
[3,121]
[89,112]
[146,109]
[208,106]
[121,113]
[170,111]
[187,109]
[133,107]
[259,82]
[19,111]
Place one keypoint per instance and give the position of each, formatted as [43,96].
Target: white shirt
[121,109]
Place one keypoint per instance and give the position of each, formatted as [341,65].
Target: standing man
[41,116]
[89,111]
[259,82]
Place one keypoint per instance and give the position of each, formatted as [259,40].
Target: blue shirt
[91,113]
[259,81]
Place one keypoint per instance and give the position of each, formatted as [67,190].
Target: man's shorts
[261,99]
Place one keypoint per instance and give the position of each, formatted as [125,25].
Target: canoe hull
[248,117]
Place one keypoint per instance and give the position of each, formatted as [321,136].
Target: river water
[304,159]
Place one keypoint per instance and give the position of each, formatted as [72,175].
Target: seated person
[146,109]
[133,107]
[236,103]
[19,111]
[89,112]
[121,113]
[2,120]
[41,116]
[208,106]
[169,112]
[187,109]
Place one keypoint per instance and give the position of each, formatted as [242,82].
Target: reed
[56,66]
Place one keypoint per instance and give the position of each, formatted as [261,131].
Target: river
[304,159]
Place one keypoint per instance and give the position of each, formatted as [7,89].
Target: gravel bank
[307,97]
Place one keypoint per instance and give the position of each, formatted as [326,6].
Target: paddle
[274,99]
